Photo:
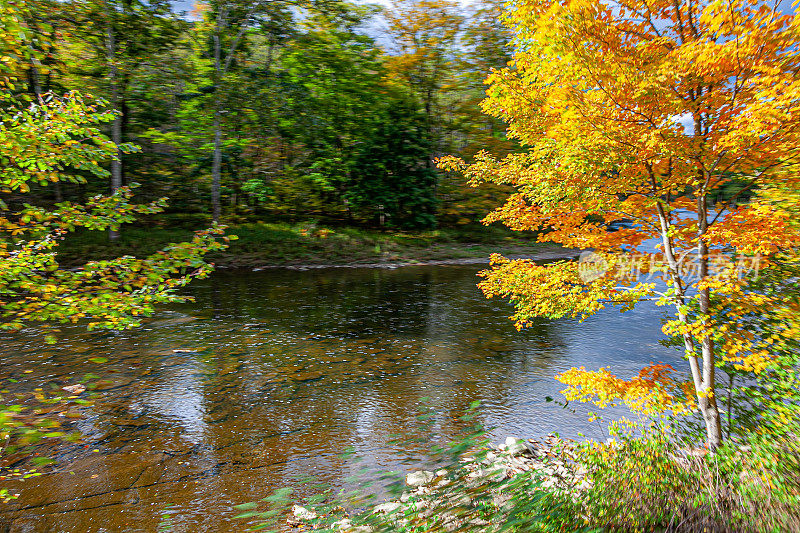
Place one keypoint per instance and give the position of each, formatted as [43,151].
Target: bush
[653,483]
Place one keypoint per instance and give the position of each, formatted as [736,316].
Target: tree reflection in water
[289,369]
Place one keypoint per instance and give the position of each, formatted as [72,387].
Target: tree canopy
[642,112]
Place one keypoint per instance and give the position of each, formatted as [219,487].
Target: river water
[269,376]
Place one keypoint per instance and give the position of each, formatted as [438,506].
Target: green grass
[261,244]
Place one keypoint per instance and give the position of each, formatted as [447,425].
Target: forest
[249,111]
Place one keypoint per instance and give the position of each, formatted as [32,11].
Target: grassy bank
[284,244]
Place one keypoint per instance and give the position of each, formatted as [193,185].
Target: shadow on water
[267,377]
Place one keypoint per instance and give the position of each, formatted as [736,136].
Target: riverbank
[520,482]
[648,483]
[306,245]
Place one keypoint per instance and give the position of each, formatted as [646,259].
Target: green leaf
[245,506]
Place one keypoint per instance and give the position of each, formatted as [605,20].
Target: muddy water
[276,373]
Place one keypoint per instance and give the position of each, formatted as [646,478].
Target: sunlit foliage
[641,113]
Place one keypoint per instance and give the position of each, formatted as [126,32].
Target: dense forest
[242,110]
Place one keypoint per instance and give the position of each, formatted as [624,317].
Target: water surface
[282,371]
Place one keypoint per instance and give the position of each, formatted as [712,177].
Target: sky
[376,28]
[186,5]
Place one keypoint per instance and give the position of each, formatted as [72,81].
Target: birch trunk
[707,400]
[702,368]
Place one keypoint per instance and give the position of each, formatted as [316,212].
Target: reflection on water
[267,377]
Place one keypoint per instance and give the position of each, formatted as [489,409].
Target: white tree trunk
[702,376]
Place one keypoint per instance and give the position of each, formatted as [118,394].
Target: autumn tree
[640,111]
[42,58]
[423,55]
[484,44]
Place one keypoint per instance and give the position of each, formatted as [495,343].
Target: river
[268,376]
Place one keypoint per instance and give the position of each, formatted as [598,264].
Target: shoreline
[553,253]
[482,486]
[304,246]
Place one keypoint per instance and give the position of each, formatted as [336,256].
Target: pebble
[419,478]
[515,446]
[301,513]
[74,389]
[388,507]
[513,456]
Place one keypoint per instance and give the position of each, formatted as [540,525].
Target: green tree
[390,175]
[112,42]
[59,138]
[215,111]
[333,74]
[364,140]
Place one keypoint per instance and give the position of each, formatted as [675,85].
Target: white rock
[453,524]
[425,513]
[477,473]
[518,464]
[500,500]
[346,526]
[301,513]
[515,446]
[388,507]
[419,478]
[492,473]
[463,501]
[342,525]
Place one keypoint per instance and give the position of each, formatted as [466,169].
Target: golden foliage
[643,112]
[652,392]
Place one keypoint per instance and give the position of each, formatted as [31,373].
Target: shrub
[652,483]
